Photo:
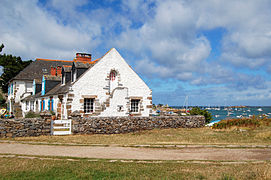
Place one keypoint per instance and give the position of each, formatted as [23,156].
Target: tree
[11,65]
[205,113]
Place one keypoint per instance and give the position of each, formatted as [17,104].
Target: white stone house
[107,86]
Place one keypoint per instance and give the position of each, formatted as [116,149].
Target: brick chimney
[53,71]
[83,57]
[59,70]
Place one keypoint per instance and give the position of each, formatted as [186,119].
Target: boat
[229,113]
[212,123]
[260,109]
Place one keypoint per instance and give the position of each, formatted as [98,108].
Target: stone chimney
[83,57]
[53,71]
[59,70]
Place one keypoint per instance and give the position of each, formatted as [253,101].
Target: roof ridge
[41,59]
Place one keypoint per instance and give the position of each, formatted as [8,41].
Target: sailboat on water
[185,106]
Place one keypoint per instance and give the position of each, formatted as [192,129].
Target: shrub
[31,114]
[205,113]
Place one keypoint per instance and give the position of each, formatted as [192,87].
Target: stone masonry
[24,127]
[116,125]
[96,125]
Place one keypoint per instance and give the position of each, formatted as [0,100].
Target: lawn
[260,135]
[17,168]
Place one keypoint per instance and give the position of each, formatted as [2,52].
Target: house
[107,86]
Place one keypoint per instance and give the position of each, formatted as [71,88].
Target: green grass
[16,168]
[246,136]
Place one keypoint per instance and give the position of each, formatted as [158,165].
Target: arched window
[113,75]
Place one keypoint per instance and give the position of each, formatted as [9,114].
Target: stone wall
[115,125]
[97,125]
[24,127]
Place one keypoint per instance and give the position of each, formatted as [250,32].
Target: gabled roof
[38,68]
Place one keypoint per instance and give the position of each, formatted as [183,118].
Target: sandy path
[224,154]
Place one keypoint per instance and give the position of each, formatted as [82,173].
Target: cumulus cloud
[31,32]
[173,46]
[166,38]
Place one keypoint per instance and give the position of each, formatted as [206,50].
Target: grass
[251,123]
[16,168]
[245,136]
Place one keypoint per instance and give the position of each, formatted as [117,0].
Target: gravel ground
[115,152]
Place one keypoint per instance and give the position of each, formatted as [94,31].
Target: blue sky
[215,52]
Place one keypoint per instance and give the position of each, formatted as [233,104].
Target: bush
[31,114]
[205,113]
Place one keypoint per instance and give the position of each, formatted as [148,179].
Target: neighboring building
[105,87]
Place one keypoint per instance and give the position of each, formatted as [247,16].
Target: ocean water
[221,113]
[230,113]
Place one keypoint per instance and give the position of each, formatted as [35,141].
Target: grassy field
[259,135]
[17,168]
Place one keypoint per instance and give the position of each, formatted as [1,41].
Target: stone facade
[24,127]
[116,125]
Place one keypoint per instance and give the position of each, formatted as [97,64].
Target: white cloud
[32,32]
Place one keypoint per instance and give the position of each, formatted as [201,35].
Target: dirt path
[223,154]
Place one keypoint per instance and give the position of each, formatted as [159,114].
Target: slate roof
[31,97]
[39,67]
[83,65]
[59,89]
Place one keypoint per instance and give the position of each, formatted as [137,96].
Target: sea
[226,112]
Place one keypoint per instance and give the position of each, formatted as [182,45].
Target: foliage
[12,65]
[252,122]
[31,114]
[205,113]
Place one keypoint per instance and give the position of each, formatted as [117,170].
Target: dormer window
[113,75]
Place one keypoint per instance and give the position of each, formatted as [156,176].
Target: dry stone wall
[24,127]
[116,125]
[97,125]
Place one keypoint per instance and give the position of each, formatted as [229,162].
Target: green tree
[11,66]
[205,113]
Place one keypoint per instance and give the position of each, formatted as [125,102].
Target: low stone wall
[24,127]
[116,125]
[97,125]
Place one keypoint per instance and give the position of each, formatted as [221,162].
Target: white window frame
[88,105]
[135,105]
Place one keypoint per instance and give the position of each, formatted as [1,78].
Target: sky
[215,52]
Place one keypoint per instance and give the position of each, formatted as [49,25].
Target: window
[51,104]
[88,105]
[27,105]
[42,105]
[32,105]
[134,105]
[112,75]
